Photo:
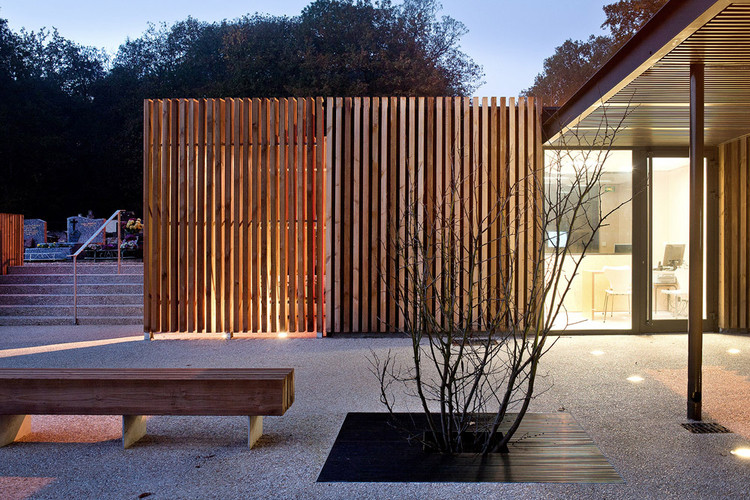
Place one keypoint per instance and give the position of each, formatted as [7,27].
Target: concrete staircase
[42,294]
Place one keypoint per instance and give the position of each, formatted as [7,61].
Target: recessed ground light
[635,379]
[741,452]
[283,335]
[733,351]
[597,353]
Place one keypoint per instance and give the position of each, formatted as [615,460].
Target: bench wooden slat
[151,391]
[145,373]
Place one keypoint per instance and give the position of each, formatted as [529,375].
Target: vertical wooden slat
[201,218]
[742,230]
[365,208]
[734,237]
[330,194]
[347,179]
[311,215]
[337,279]
[210,221]
[493,200]
[255,297]
[235,155]
[522,205]
[722,237]
[154,228]
[418,156]
[263,216]
[382,242]
[292,201]
[356,285]
[191,277]
[374,256]
[474,204]
[218,253]
[484,198]
[513,235]
[466,189]
[320,216]
[393,224]
[274,214]
[147,219]
[247,267]
[180,223]
[164,219]
[283,215]
[402,213]
[173,213]
[429,194]
[439,241]
[301,214]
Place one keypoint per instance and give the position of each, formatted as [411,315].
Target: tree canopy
[71,117]
[575,61]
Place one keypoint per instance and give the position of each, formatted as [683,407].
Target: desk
[659,288]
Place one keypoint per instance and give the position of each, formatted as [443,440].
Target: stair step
[67,289]
[67,310]
[68,320]
[67,268]
[60,279]
[67,299]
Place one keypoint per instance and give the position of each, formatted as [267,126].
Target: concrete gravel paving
[636,425]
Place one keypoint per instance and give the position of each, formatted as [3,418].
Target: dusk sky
[510,39]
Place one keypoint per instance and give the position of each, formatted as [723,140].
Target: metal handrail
[117,214]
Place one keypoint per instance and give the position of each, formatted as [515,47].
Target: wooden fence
[11,241]
[298,202]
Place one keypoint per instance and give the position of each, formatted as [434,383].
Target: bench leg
[133,429]
[254,429]
[13,427]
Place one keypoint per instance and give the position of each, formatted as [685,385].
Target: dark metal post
[695,311]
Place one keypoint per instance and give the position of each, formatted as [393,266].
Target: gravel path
[636,425]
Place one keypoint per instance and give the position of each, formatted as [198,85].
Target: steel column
[695,306]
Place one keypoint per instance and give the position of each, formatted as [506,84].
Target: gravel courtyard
[635,424]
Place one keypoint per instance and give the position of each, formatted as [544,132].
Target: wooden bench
[136,392]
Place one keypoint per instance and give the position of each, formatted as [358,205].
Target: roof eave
[675,22]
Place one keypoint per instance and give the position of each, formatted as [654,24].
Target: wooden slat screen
[233,196]
[294,201]
[734,230]
[11,241]
[385,149]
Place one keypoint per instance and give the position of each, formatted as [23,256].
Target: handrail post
[119,239]
[75,289]
[83,247]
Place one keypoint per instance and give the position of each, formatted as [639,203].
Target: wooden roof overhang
[644,89]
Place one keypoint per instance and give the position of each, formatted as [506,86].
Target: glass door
[668,273]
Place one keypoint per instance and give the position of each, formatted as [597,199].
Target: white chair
[619,284]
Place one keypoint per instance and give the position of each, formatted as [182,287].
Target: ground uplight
[283,335]
[597,353]
[635,379]
[741,452]
[733,350]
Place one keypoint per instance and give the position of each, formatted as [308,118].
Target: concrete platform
[635,424]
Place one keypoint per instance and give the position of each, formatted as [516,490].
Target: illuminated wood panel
[276,215]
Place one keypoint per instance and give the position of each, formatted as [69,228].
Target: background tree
[71,119]
[575,61]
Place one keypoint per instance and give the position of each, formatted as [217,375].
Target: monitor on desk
[673,254]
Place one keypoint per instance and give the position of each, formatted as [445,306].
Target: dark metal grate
[706,428]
